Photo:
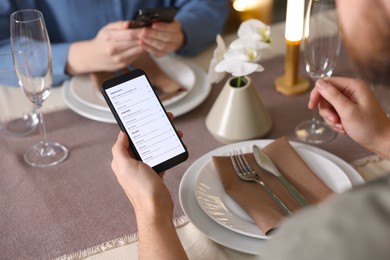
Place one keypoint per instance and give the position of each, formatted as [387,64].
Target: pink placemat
[78,204]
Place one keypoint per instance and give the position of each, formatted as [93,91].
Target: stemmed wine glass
[32,58]
[321,44]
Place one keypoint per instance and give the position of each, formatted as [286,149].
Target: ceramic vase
[238,113]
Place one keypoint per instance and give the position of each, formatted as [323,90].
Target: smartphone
[140,114]
[146,17]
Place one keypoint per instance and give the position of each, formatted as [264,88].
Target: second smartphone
[146,17]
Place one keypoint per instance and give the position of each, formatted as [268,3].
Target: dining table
[77,209]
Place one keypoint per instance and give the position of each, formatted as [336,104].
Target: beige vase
[238,114]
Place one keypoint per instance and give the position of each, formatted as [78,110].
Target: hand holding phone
[146,17]
[140,114]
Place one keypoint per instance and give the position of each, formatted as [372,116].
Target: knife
[267,164]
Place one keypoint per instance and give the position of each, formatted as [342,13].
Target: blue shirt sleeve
[60,59]
[5,10]
[201,21]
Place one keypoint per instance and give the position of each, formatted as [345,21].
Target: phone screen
[144,119]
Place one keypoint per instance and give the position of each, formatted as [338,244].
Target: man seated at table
[354,225]
[94,36]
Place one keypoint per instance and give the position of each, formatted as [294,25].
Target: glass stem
[46,149]
[315,119]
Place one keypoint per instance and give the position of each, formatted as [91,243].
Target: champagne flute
[321,44]
[32,58]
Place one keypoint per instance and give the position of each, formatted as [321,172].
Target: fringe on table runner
[366,160]
[369,172]
[115,243]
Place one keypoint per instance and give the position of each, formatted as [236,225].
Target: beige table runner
[46,213]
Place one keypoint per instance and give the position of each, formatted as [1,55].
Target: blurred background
[268,11]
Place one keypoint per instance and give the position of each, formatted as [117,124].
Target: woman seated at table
[354,225]
[94,36]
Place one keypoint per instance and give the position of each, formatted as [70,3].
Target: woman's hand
[114,47]
[162,38]
[349,106]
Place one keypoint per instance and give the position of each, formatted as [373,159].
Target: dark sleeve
[350,226]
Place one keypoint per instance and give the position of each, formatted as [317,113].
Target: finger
[129,55]
[172,27]
[120,59]
[347,86]
[120,34]
[315,98]
[152,50]
[119,25]
[338,127]
[121,47]
[333,95]
[327,111]
[120,149]
[180,133]
[160,40]
[170,115]
[156,35]
[121,146]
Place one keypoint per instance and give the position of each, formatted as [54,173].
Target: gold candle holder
[291,83]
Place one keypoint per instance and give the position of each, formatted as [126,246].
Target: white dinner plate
[83,89]
[215,231]
[84,110]
[194,98]
[219,206]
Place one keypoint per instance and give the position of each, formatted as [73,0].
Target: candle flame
[244,5]
[294,20]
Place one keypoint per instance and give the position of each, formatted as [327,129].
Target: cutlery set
[246,173]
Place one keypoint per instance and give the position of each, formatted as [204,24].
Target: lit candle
[290,83]
[294,20]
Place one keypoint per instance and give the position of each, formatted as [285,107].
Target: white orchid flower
[256,29]
[240,62]
[214,76]
[249,42]
[243,54]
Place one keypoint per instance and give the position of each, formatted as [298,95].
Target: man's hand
[349,106]
[142,185]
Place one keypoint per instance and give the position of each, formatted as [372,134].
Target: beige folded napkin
[166,86]
[251,197]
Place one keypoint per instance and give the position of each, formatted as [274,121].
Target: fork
[246,173]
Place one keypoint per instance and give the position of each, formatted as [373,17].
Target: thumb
[121,146]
